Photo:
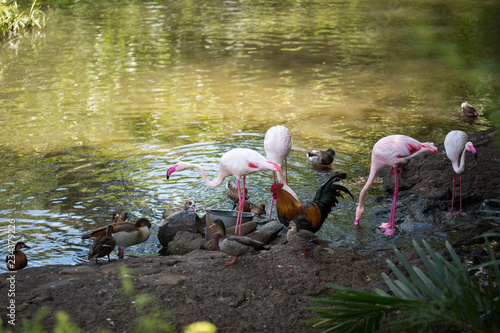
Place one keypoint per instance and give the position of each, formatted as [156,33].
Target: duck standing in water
[102,246]
[468,110]
[234,245]
[125,234]
[17,259]
[303,240]
[321,158]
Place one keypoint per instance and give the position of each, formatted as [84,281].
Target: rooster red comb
[276,186]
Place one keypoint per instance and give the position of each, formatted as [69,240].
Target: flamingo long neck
[212,183]
[459,168]
[287,188]
[371,177]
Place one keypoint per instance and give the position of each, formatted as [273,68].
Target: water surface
[95,107]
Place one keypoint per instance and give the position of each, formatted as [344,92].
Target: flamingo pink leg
[461,212]
[272,199]
[392,216]
[286,171]
[241,204]
[453,195]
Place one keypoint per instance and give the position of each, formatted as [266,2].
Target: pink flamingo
[456,144]
[238,162]
[278,144]
[390,151]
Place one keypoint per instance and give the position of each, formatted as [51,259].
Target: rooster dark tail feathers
[328,193]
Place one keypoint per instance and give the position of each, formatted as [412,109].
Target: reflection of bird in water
[232,190]
[468,110]
[234,245]
[278,144]
[17,259]
[456,144]
[321,158]
[238,162]
[310,215]
[302,240]
[391,151]
[249,207]
[103,245]
[125,234]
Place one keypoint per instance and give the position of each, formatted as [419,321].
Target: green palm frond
[441,296]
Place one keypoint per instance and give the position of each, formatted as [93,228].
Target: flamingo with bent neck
[238,162]
[456,144]
[391,151]
[278,144]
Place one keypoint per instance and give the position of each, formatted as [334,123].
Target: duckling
[321,158]
[17,260]
[102,246]
[468,110]
[169,212]
[119,217]
[302,240]
[232,190]
[234,245]
[249,207]
[125,234]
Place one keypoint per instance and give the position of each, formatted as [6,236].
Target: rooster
[311,215]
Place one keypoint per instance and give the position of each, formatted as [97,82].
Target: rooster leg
[229,263]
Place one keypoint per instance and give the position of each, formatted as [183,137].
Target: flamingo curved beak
[171,170]
[277,167]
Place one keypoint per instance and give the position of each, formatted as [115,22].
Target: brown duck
[125,234]
[17,259]
[303,240]
[102,246]
[234,245]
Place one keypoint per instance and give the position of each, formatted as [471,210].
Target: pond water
[96,106]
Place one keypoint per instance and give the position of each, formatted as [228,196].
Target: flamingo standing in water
[278,144]
[456,144]
[390,151]
[238,162]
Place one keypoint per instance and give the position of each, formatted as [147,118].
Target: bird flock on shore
[303,220]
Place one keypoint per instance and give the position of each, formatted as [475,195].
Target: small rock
[185,242]
[267,232]
[186,220]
